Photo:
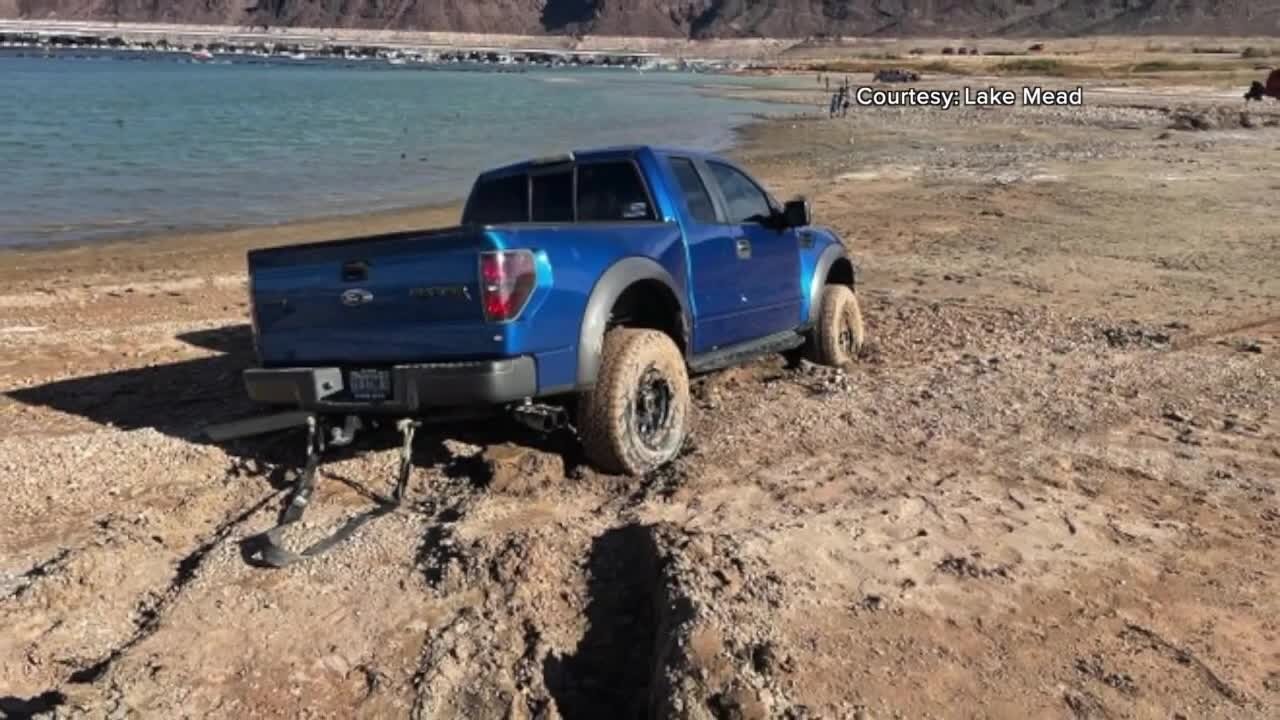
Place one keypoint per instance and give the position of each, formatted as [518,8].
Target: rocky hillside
[698,18]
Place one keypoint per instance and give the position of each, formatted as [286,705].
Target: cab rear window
[610,191]
[552,196]
[497,201]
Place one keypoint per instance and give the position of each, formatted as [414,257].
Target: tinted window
[553,197]
[497,201]
[611,191]
[696,197]
[747,203]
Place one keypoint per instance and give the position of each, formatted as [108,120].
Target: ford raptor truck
[587,286]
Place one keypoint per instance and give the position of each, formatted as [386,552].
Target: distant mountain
[698,18]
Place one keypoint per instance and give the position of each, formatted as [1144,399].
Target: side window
[747,203]
[497,201]
[610,192]
[695,193]
[552,197]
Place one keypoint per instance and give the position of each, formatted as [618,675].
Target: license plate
[370,384]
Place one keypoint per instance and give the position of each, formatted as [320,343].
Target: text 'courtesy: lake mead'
[967,96]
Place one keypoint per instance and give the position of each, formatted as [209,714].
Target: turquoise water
[105,147]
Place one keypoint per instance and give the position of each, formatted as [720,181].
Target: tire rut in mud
[1144,637]
[535,647]
[41,569]
[439,548]
[14,707]
[152,610]
[612,670]
[1256,323]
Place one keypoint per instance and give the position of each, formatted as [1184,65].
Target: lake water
[106,147]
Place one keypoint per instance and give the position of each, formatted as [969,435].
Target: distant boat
[396,61]
[298,56]
[202,55]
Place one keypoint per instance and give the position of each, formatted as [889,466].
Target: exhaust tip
[542,418]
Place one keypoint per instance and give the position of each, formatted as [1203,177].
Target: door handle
[355,271]
[743,247]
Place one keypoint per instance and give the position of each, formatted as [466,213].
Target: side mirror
[796,213]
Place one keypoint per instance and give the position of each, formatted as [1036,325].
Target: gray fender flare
[830,254]
[595,318]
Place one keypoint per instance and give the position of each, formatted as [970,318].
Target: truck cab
[555,263]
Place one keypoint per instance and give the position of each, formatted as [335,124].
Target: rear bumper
[413,387]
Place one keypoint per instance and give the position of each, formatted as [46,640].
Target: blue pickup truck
[586,286]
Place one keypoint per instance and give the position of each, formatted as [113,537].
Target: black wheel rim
[651,409]
[847,341]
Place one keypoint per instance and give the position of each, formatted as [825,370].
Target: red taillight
[507,278]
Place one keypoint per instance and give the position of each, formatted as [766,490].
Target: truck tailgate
[375,300]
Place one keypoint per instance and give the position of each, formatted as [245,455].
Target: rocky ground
[1049,489]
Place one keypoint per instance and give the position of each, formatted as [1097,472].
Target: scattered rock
[766,661]
[872,603]
[1210,119]
[1135,335]
[969,567]
[460,449]
[1084,706]
[896,75]
[740,703]
[1094,668]
[1272,682]
[1193,120]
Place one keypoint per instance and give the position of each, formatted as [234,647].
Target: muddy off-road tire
[634,419]
[839,335]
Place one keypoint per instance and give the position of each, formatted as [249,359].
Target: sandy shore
[1049,490]
[218,250]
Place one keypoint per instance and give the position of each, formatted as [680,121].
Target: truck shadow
[178,399]
[228,339]
[181,399]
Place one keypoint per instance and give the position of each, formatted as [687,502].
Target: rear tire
[634,419]
[838,338]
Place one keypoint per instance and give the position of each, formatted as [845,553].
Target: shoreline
[319,228]
[379,217]
[210,249]
[221,251]
[742,137]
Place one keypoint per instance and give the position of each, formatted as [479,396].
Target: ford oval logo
[356,296]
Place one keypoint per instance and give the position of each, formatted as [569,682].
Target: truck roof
[594,154]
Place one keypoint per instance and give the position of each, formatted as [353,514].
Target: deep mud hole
[612,670]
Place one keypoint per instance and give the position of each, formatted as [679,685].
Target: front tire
[635,418]
[838,338]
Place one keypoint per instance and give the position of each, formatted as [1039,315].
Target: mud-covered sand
[1049,490]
